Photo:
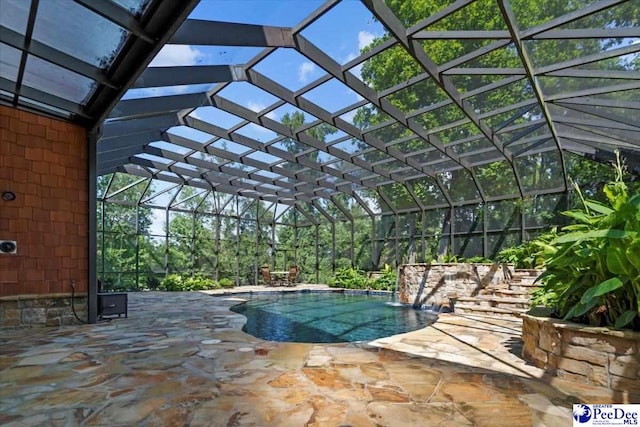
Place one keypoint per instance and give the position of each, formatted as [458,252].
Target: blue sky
[341,33]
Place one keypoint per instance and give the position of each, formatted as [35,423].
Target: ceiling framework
[436,149]
[75,59]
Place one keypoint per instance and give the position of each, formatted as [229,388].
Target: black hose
[73,307]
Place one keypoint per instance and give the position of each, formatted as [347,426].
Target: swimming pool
[328,317]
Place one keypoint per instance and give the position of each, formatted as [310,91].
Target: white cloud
[364,39]
[257,107]
[348,117]
[305,69]
[175,55]
[350,57]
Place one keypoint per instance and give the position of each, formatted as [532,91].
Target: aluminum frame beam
[216,33]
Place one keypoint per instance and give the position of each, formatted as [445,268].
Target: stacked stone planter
[597,356]
[24,311]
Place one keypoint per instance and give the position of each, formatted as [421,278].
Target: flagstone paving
[182,359]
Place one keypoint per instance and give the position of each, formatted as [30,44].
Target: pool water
[328,317]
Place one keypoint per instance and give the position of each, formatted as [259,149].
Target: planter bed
[589,355]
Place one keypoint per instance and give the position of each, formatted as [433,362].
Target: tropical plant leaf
[596,234]
[601,289]
[625,318]
[581,216]
[598,207]
[580,309]
[633,254]
[617,262]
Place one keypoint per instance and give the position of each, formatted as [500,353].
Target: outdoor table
[279,277]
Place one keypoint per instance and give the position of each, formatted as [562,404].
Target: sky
[341,33]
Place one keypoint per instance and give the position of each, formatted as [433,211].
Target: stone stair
[509,298]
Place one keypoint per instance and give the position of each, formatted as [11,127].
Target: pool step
[490,311]
[508,299]
[495,301]
[508,293]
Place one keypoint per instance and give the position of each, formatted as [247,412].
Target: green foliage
[349,278]
[528,254]
[593,266]
[386,281]
[226,283]
[478,260]
[178,283]
[173,282]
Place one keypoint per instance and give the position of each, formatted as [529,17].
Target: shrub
[198,282]
[172,282]
[386,281]
[528,254]
[349,278]
[226,283]
[593,266]
[477,260]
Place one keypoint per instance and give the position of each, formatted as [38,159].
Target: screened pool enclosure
[231,135]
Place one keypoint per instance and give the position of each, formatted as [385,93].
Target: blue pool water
[328,317]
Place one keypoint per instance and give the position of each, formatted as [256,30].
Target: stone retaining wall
[25,311]
[583,354]
[434,284]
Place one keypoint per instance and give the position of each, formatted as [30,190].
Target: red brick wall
[44,162]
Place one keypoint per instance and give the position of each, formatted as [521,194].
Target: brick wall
[44,162]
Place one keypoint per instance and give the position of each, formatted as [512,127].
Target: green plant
[172,282]
[593,266]
[528,254]
[198,282]
[386,281]
[349,278]
[477,260]
[448,258]
[226,283]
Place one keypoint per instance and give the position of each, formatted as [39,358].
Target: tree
[122,227]
[395,65]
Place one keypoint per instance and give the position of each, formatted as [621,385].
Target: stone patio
[182,359]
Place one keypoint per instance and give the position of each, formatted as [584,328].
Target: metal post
[333,247]
[317,254]
[423,236]
[166,241]
[373,240]
[485,227]
[92,279]
[137,246]
[273,245]
[397,218]
[353,244]
[295,236]
[217,247]
[452,229]
[523,230]
[237,242]
[102,243]
[193,243]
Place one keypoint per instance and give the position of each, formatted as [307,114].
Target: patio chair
[266,276]
[292,279]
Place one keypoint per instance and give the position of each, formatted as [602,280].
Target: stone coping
[457,263]
[42,296]
[539,315]
[303,291]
